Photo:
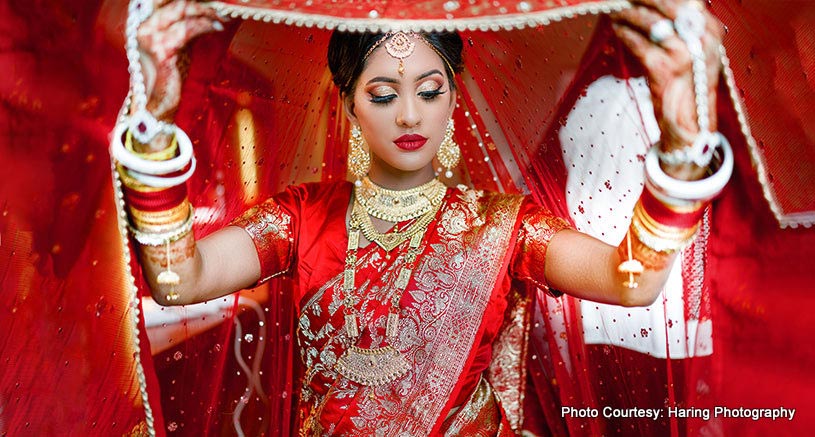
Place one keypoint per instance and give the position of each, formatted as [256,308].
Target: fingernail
[218,26]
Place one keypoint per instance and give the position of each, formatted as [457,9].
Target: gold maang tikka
[400,45]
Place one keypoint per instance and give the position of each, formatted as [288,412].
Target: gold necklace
[381,365]
[399,205]
[389,240]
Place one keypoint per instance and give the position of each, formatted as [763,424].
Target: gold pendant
[169,277]
[389,241]
[351,326]
[631,267]
[372,367]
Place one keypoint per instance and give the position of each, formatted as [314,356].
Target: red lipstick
[410,141]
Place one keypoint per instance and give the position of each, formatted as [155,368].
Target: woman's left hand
[668,66]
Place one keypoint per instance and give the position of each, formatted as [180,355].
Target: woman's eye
[383,99]
[432,94]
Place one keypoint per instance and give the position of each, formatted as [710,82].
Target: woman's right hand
[161,38]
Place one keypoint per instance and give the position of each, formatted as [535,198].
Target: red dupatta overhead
[261,109]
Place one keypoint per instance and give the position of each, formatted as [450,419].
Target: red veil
[262,112]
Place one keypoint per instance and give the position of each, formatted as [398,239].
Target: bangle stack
[156,194]
[668,214]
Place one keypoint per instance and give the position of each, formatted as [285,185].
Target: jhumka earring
[359,161]
[449,152]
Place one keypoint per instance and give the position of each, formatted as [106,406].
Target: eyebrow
[392,80]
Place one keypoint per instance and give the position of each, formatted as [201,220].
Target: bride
[412,297]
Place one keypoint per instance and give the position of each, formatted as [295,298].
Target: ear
[348,104]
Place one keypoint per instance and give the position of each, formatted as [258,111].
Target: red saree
[453,328]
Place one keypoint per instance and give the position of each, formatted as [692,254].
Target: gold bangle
[649,258]
[162,155]
[658,229]
[132,183]
[174,232]
[668,245]
[144,219]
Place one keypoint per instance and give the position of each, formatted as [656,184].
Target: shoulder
[307,195]
[481,207]
[522,208]
[314,191]
[482,202]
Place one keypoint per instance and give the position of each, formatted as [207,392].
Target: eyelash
[427,95]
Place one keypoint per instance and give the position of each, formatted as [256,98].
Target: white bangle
[162,181]
[688,191]
[147,166]
[160,238]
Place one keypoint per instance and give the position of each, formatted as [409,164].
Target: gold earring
[449,152]
[359,161]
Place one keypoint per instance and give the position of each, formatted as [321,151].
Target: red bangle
[155,200]
[663,214]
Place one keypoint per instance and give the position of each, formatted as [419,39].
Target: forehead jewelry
[400,45]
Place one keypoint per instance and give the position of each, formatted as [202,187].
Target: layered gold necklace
[399,205]
[385,364]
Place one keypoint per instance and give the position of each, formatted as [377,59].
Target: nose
[408,115]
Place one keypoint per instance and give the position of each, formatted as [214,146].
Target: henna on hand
[668,66]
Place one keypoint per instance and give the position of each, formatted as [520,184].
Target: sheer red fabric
[263,114]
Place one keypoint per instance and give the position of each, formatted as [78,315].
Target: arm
[225,261]
[585,267]
[222,263]
[588,268]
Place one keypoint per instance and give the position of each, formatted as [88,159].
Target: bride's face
[402,118]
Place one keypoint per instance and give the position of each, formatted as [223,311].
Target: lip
[410,141]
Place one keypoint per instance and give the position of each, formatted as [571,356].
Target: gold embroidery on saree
[452,283]
[507,371]
[270,227]
[479,416]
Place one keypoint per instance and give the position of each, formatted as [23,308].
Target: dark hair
[346,54]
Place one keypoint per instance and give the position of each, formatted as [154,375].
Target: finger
[715,28]
[640,46]
[643,19]
[177,11]
[194,27]
[640,18]
[669,8]
[165,37]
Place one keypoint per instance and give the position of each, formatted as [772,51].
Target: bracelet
[160,238]
[662,243]
[684,193]
[155,201]
[159,221]
[146,166]
[660,229]
[161,155]
[132,185]
[648,258]
[163,182]
[668,215]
